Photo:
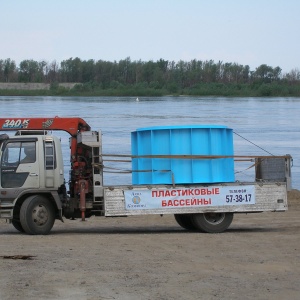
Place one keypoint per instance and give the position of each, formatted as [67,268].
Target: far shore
[96,90]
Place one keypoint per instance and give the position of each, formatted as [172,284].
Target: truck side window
[11,155]
[16,153]
[28,153]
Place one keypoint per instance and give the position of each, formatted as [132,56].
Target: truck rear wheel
[212,222]
[37,215]
[184,220]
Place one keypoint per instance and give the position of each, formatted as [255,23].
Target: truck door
[19,164]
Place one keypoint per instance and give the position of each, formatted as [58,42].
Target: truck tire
[212,222]
[37,215]
[184,220]
[17,225]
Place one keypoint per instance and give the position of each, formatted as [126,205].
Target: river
[262,126]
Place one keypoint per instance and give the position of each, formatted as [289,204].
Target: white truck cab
[30,165]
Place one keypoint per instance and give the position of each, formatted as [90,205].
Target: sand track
[153,258]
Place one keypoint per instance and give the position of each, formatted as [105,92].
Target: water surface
[263,126]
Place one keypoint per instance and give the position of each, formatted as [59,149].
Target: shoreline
[200,90]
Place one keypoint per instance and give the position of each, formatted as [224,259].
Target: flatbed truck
[33,191]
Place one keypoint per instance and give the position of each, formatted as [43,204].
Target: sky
[247,32]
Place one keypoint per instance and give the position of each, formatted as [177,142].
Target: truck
[34,193]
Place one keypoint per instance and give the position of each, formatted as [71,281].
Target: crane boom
[72,125]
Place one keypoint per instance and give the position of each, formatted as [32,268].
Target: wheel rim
[214,218]
[40,215]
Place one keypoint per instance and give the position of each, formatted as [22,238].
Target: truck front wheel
[37,215]
[17,225]
[212,222]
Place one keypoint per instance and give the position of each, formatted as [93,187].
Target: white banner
[189,197]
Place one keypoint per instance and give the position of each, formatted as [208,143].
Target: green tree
[246,73]
[71,70]
[52,73]
[29,71]
[293,76]
[88,70]
[264,73]
[8,70]
[277,73]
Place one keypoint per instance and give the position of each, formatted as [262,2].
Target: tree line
[170,76]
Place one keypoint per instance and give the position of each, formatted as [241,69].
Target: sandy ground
[31,85]
[258,257]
